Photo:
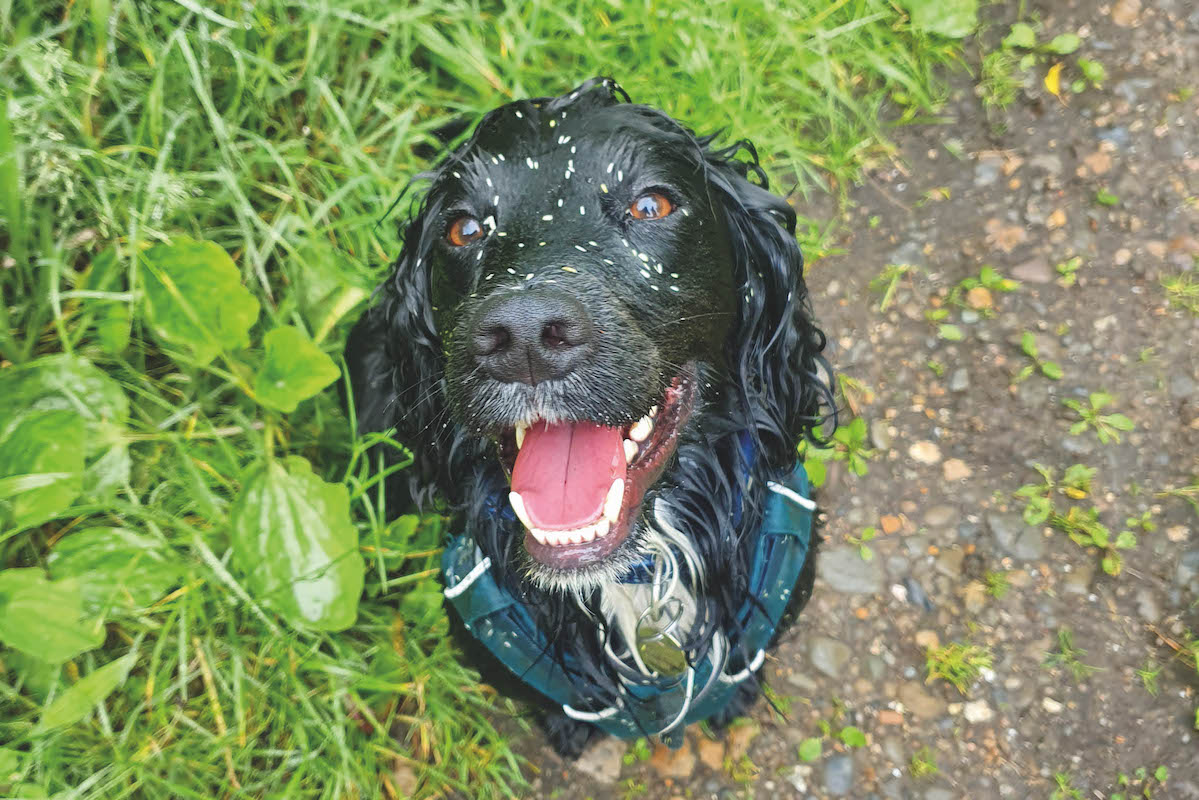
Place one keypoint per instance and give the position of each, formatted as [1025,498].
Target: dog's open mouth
[577,487]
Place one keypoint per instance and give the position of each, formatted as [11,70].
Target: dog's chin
[581,549]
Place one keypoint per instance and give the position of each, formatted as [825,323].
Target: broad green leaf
[1126,540]
[295,546]
[852,737]
[115,567]
[1112,563]
[1100,399]
[1064,44]
[112,328]
[1093,71]
[1021,35]
[1161,774]
[41,469]
[77,702]
[817,472]
[809,749]
[950,333]
[1119,422]
[44,619]
[952,18]
[294,370]
[194,297]
[10,762]
[327,286]
[70,383]
[1028,343]
[1052,370]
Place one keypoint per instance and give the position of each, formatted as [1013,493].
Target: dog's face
[584,281]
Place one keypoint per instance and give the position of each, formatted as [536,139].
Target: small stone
[1056,220]
[1156,248]
[916,594]
[979,298]
[829,656]
[955,470]
[1125,12]
[838,775]
[1047,162]
[1078,582]
[940,516]
[601,760]
[925,452]
[890,523]
[949,562]
[888,717]
[927,639]
[740,736]
[844,571]
[673,763]
[711,753]
[798,776]
[1148,606]
[1051,705]
[1036,270]
[1015,537]
[986,171]
[919,702]
[959,381]
[1177,533]
[1002,236]
[977,711]
[1122,256]
[1182,386]
[937,793]
[1187,568]
[880,434]
[974,597]
[1099,162]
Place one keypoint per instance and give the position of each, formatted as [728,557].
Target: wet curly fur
[719,288]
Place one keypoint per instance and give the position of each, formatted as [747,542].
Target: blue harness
[663,706]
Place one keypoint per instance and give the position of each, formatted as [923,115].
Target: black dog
[596,343]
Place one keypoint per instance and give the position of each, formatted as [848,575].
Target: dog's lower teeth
[641,429]
[630,451]
[518,505]
[614,500]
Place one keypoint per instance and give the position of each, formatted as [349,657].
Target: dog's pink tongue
[563,472]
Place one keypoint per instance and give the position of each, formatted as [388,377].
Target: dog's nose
[531,336]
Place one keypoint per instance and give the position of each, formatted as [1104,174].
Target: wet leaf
[950,333]
[295,546]
[294,370]
[951,18]
[70,383]
[41,469]
[45,619]
[817,472]
[1052,370]
[852,737]
[1126,540]
[809,749]
[1053,80]
[1093,71]
[115,567]
[1028,343]
[1021,35]
[77,702]
[194,297]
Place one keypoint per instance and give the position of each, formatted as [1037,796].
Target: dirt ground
[956,429]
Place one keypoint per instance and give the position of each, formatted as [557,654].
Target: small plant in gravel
[639,750]
[1064,788]
[848,444]
[1050,369]
[976,293]
[887,282]
[1182,291]
[1141,784]
[937,367]
[860,542]
[997,583]
[1105,198]
[631,787]
[957,663]
[851,736]
[1069,657]
[923,764]
[1039,497]
[1068,271]
[1085,529]
[1148,675]
[1107,426]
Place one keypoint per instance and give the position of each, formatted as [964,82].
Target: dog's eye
[463,231]
[651,205]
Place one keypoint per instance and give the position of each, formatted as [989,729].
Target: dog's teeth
[518,505]
[641,429]
[538,534]
[588,533]
[576,537]
[602,527]
[521,427]
[653,412]
[630,451]
[614,499]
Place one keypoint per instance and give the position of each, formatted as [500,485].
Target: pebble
[937,793]
[1182,386]
[917,596]
[1051,705]
[919,702]
[1147,605]
[1187,568]
[1036,270]
[602,759]
[1015,537]
[880,434]
[1078,582]
[977,711]
[925,452]
[1047,162]
[1078,445]
[939,516]
[986,171]
[843,569]
[959,380]
[829,656]
[949,562]
[798,776]
[838,775]
[955,469]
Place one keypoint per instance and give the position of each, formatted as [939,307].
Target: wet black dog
[596,343]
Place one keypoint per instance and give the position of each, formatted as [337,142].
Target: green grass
[283,132]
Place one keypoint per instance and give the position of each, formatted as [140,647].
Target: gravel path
[957,426]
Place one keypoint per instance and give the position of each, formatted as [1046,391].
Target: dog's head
[592,308]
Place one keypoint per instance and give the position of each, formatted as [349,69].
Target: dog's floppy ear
[396,368]
[775,347]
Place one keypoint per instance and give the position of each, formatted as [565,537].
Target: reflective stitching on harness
[792,495]
[472,576]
